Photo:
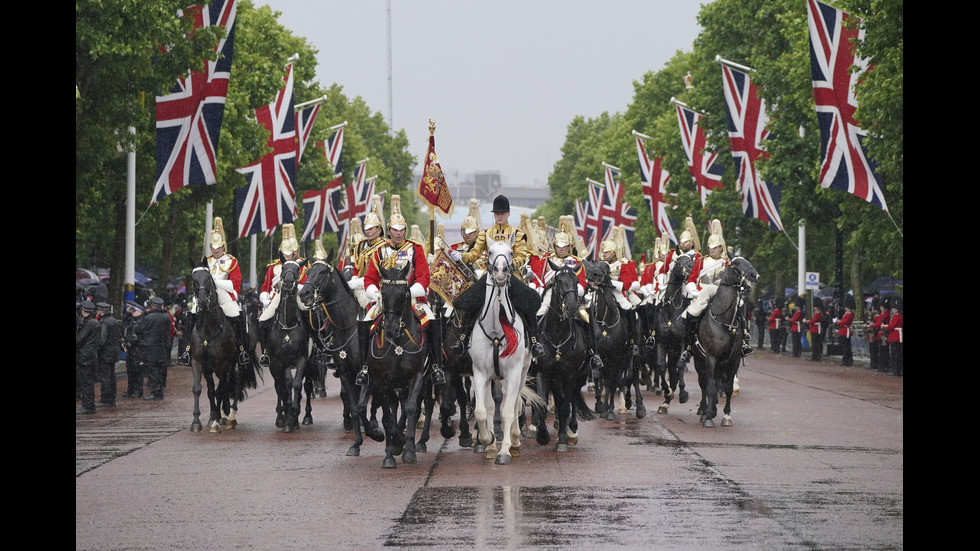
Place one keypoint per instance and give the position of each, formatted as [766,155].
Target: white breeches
[701,302]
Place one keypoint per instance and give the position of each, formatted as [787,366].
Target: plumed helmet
[690,233]
[472,221]
[416,234]
[319,253]
[530,234]
[608,245]
[356,233]
[562,239]
[376,216]
[717,237]
[500,204]
[289,244]
[619,236]
[396,221]
[217,234]
[440,236]
[564,235]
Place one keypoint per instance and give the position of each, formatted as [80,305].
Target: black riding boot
[595,360]
[690,330]
[185,356]
[241,328]
[537,349]
[263,340]
[649,327]
[438,375]
[630,316]
[364,327]
[466,323]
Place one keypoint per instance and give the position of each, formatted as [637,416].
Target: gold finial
[432,127]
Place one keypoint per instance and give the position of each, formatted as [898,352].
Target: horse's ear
[204,262]
[302,262]
[555,267]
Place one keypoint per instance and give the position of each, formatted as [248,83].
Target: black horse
[564,368]
[454,393]
[720,333]
[288,346]
[214,353]
[612,343]
[332,317]
[396,361]
[670,334]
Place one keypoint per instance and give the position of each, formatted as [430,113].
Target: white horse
[499,351]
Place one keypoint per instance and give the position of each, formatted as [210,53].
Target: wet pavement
[814,461]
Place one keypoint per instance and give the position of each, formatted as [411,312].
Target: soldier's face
[686,245]
[715,252]
[608,256]
[217,251]
[500,218]
[397,236]
[372,232]
[562,252]
[469,237]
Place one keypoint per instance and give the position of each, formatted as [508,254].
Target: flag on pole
[706,169]
[305,118]
[747,132]
[333,149]
[356,201]
[654,180]
[615,211]
[271,196]
[188,119]
[432,186]
[320,209]
[845,164]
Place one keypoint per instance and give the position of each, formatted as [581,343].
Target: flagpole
[638,135]
[311,102]
[732,64]
[336,126]
[129,275]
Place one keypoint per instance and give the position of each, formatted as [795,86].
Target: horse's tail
[532,398]
[582,410]
[246,378]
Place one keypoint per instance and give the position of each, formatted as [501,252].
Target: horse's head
[598,274]
[318,281]
[500,260]
[204,289]
[682,268]
[747,274]
[565,283]
[289,276]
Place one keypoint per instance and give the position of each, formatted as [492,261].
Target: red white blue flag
[845,164]
[270,198]
[188,119]
[354,202]
[333,149]
[305,118]
[615,210]
[706,169]
[654,180]
[747,132]
[320,210]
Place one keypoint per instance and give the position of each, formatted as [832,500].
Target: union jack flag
[305,118]
[845,164]
[356,202]
[333,149]
[654,180]
[706,169]
[271,196]
[319,209]
[747,121]
[189,118]
[587,223]
[615,211]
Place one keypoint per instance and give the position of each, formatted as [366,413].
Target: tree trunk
[856,286]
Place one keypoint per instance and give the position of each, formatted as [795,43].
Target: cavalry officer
[463,251]
[272,285]
[622,273]
[844,330]
[816,337]
[227,276]
[108,354]
[775,317]
[364,250]
[88,341]
[134,363]
[562,254]
[896,338]
[152,334]
[398,252]
[795,322]
[687,244]
[502,230]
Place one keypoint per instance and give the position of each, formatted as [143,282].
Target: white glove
[225,285]
[455,255]
[417,290]
[265,298]
[533,285]
[692,289]
[635,286]
[371,293]
[618,285]
[356,282]
[581,290]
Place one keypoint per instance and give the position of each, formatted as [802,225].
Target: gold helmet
[472,221]
[717,238]
[690,233]
[396,221]
[289,244]
[416,234]
[563,237]
[619,236]
[609,245]
[217,234]
[319,253]
[440,242]
[376,216]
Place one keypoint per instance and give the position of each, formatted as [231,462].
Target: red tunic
[794,322]
[774,318]
[895,329]
[844,325]
[410,250]
[815,322]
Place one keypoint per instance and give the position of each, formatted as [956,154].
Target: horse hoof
[348,424]
[492,452]
[409,457]
[735,392]
[708,424]
[610,415]
[377,436]
[447,431]
[288,428]
[641,412]
[308,420]
[514,452]
[479,448]
[662,409]
[543,438]
[683,397]
[196,427]
[502,459]
[280,422]
[389,463]
[658,392]
[215,429]
[572,439]
[561,448]
[466,441]
[421,447]
[622,410]
[354,451]
[421,422]
[726,421]
[599,407]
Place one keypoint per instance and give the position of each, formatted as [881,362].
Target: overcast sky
[502,79]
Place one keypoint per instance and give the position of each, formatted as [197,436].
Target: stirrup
[634,350]
[243,358]
[459,347]
[686,355]
[184,358]
[264,361]
[438,375]
[537,350]
[651,342]
[746,349]
[362,378]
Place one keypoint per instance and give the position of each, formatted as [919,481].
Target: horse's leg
[509,411]
[562,413]
[196,389]
[425,419]
[411,405]
[309,387]
[278,379]
[215,421]
[389,421]
[481,389]
[729,389]
[641,410]
[446,404]
[710,392]
[543,437]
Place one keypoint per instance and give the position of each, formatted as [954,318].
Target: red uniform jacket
[844,325]
[774,317]
[794,322]
[895,329]
[815,322]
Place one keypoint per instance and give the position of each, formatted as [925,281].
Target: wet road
[814,461]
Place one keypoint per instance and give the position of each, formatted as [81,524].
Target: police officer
[88,341]
[152,335]
[108,354]
[134,362]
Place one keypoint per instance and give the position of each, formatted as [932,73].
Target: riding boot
[646,310]
[185,356]
[537,349]
[263,340]
[595,360]
[362,378]
[241,329]
[630,316]
[690,331]
[746,343]
[466,324]
[438,375]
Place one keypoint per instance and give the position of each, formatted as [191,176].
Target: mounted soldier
[271,285]
[622,273]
